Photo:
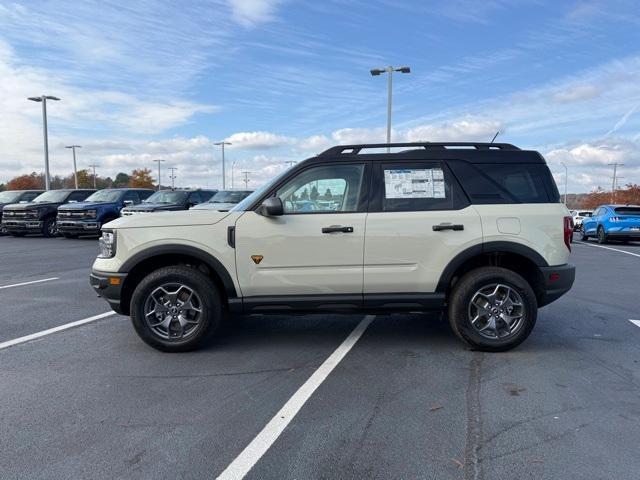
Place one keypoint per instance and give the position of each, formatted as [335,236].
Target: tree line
[138,178]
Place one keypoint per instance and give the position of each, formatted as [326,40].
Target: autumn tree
[121,180]
[33,181]
[141,178]
[629,195]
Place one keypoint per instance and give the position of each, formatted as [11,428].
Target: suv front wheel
[492,309]
[176,309]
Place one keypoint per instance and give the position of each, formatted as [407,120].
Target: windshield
[246,203]
[104,196]
[54,196]
[229,196]
[167,196]
[9,197]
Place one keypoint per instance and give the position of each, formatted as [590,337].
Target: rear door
[418,221]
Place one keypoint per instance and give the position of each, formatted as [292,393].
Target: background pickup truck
[87,217]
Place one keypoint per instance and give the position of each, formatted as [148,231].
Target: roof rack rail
[355,149]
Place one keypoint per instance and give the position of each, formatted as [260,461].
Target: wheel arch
[160,256]
[514,256]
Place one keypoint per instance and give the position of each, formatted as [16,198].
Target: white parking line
[635,322]
[43,333]
[29,283]
[607,248]
[270,433]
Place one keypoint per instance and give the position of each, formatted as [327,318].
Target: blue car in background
[87,217]
[613,222]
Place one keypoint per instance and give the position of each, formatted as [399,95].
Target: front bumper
[21,225]
[78,226]
[109,286]
[557,281]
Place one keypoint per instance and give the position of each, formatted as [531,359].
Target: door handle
[447,226]
[336,229]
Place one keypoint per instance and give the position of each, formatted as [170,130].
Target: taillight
[568,231]
[615,219]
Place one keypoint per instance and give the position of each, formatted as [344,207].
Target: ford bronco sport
[474,229]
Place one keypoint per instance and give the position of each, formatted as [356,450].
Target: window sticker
[414,183]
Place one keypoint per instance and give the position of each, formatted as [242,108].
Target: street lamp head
[35,99]
[73,146]
[403,69]
[51,97]
[223,143]
[376,71]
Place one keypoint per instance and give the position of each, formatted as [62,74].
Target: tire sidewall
[199,283]
[45,227]
[474,281]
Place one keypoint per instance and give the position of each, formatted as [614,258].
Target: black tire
[584,237]
[602,237]
[49,227]
[460,309]
[211,306]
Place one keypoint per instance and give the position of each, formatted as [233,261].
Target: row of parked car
[608,222]
[72,213]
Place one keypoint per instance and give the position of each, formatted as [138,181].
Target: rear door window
[418,186]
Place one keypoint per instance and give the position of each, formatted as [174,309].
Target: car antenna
[494,137]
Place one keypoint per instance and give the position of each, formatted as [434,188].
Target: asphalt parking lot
[406,401]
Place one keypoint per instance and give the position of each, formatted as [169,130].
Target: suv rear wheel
[602,237]
[176,309]
[492,309]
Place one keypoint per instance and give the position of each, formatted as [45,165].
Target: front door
[317,246]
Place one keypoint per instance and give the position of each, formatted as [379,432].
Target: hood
[30,206]
[182,218]
[85,205]
[152,207]
[214,206]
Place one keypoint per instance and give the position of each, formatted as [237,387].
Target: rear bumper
[78,226]
[623,234]
[557,281]
[109,287]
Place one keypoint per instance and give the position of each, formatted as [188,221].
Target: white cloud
[257,140]
[470,129]
[251,12]
[577,93]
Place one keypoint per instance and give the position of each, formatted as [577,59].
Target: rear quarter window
[498,183]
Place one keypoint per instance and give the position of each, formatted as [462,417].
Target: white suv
[475,229]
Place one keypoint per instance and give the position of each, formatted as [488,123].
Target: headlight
[90,213]
[107,245]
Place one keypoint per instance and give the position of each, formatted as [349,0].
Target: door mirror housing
[128,203]
[271,207]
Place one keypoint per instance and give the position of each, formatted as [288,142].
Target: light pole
[173,177]
[566,179]
[43,99]
[75,168]
[233,166]
[614,184]
[93,165]
[159,178]
[246,180]
[223,143]
[389,70]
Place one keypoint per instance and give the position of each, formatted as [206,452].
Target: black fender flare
[178,249]
[489,247]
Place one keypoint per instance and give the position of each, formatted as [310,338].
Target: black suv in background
[39,216]
[166,200]
[16,196]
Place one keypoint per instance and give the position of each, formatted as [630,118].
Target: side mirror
[128,203]
[271,207]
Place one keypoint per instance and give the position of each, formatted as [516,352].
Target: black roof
[473,152]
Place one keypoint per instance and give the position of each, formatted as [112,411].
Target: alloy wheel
[173,311]
[496,311]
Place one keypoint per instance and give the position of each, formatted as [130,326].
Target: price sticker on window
[414,183]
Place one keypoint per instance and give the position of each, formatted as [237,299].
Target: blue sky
[284,79]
